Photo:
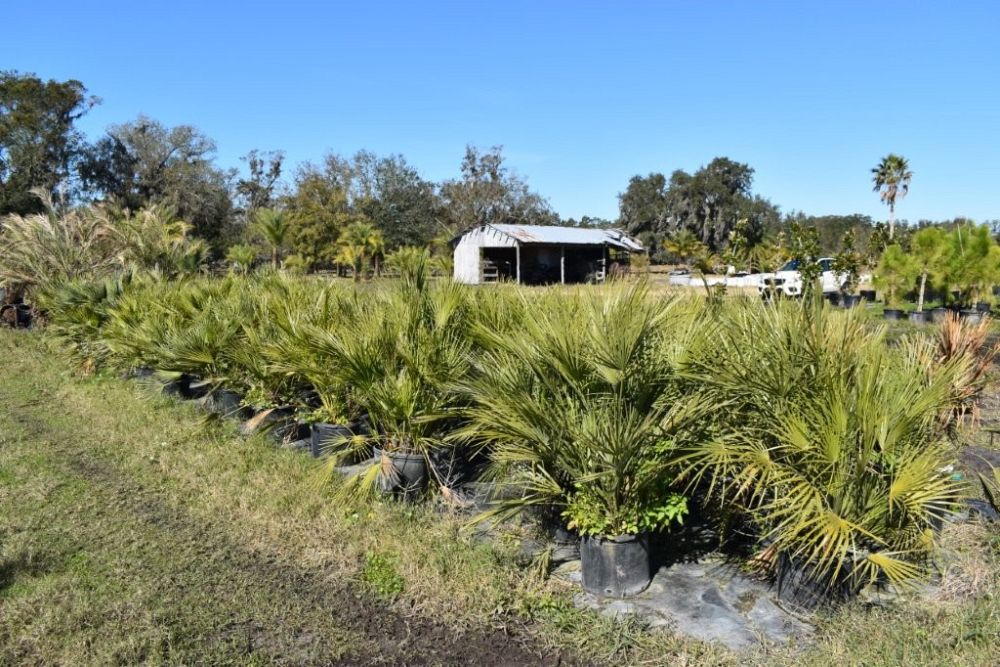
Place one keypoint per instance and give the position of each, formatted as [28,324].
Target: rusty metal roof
[569,236]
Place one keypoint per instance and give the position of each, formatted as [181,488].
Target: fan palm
[360,242]
[401,361]
[835,444]
[274,227]
[242,257]
[579,405]
[684,245]
[892,181]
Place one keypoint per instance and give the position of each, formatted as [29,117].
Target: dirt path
[100,565]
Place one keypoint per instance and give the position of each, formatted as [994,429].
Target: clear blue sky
[582,95]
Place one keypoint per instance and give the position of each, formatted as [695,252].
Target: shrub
[579,404]
[832,441]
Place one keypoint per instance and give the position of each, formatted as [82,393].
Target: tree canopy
[39,142]
[708,204]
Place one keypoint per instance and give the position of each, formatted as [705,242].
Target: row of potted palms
[610,410]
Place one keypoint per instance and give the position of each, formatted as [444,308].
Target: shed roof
[528,234]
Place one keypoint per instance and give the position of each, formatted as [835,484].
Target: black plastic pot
[799,585]
[917,318]
[179,387]
[938,315]
[971,315]
[402,474]
[616,567]
[278,424]
[892,313]
[23,315]
[198,388]
[15,315]
[850,300]
[867,295]
[984,307]
[224,403]
[322,435]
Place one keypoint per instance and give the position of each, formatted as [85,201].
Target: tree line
[352,209]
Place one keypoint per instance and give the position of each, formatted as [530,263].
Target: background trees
[143,162]
[390,193]
[39,143]
[708,204]
[488,192]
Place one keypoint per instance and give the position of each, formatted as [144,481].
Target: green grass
[132,531]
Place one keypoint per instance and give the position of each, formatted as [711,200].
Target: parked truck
[787,281]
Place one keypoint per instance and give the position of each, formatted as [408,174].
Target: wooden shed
[539,255]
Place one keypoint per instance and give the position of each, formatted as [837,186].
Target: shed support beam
[562,265]
[517,251]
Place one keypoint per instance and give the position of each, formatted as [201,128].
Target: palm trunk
[920,297]
[892,220]
[274,258]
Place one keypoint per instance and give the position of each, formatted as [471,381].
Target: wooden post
[562,265]
[517,252]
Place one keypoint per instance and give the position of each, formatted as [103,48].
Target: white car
[788,281]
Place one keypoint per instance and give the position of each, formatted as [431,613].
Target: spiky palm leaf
[835,445]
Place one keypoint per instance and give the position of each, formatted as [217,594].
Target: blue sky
[582,95]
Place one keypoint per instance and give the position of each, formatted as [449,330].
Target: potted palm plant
[836,448]
[401,363]
[577,403]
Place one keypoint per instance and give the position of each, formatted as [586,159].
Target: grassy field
[133,531]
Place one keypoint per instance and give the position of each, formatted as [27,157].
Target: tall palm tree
[892,182]
[274,227]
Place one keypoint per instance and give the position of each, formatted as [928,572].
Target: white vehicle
[788,281]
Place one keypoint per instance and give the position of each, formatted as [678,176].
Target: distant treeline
[142,163]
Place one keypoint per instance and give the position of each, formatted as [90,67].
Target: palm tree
[273,226]
[892,181]
[242,257]
[684,245]
[360,241]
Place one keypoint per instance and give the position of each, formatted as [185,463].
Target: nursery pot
[971,315]
[867,295]
[918,318]
[850,300]
[224,403]
[278,423]
[180,387]
[984,307]
[402,473]
[938,315]
[892,313]
[615,567]
[798,584]
[23,315]
[322,435]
